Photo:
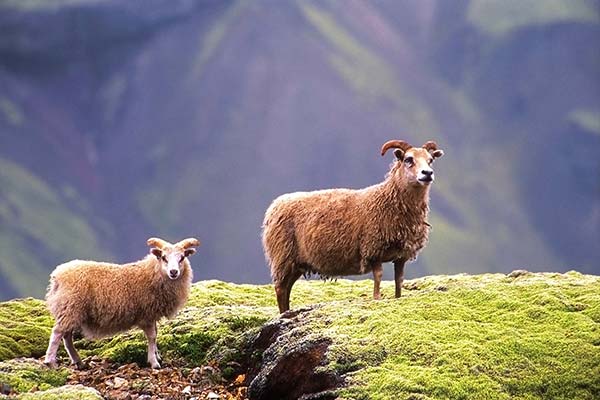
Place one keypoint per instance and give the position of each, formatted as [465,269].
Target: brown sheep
[102,299]
[340,232]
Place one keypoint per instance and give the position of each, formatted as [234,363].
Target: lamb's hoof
[78,365]
[155,365]
[51,364]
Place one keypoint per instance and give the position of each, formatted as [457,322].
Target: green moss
[26,327]
[75,392]
[484,336]
[500,17]
[22,375]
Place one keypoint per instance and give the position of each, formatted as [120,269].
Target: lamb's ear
[437,153]
[189,252]
[399,153]
[157,252]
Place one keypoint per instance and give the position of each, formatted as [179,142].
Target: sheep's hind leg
[55,338]
[283,290]
[150,332]
[377,275]
[73,355]
[399,275]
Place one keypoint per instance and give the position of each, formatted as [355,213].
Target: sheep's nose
[427,172]
[173,273]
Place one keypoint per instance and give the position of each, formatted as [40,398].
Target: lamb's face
[171,260]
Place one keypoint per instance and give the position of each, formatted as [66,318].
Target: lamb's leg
[68,341]
[55,338]
[150,332]
[399,275]
[283,290]
[377,275]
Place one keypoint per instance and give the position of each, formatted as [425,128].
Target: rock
[119,382]
[289,366]
[518,272]
[5,389]
[213,396]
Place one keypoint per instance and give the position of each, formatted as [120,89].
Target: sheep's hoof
[155,365]
[78,365]
[51,364]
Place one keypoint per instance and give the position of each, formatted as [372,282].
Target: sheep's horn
[189,242]
[394,144]
[430,146]
[158,243]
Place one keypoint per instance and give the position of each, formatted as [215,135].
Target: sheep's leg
[377,275]
[55,338]
[283,290]
[150,332]
[73,355]
[399,275]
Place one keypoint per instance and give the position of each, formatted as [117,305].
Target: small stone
[207,369]
[5,389]
[518,272]
[118,382]
[213,396]
[187,390]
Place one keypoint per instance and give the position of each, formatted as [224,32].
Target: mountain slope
[186,118]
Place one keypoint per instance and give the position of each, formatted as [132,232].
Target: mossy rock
[492,336]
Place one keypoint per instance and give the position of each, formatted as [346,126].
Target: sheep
[101,299]
[339,232]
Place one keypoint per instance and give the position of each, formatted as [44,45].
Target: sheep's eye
[430,161]
[409,160]
[181,259]
[164,258]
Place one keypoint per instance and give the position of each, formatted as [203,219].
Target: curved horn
[394,144]
[430,146]
[187,243]
[158,243]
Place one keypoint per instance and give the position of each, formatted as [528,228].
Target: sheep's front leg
[377,275]
[73,355]
[55,338]
[150,332]
[399,275]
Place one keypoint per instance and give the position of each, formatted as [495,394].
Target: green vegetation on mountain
[502,17]
[33,212]
[490,336]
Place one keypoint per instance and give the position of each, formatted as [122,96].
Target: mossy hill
[490,336]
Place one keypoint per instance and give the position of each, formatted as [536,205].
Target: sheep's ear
[399,153]
[432,148]
[157,253]
[189,252]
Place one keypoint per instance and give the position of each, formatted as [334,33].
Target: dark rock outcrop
[289,368]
